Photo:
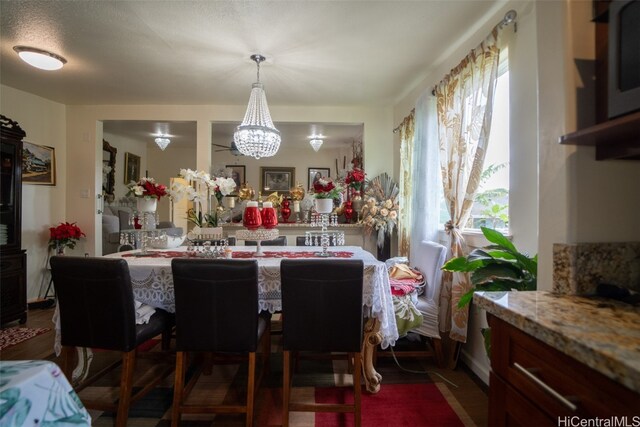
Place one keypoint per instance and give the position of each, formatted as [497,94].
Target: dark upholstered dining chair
[217,311]
[95,302]
[278,241]
[322,312]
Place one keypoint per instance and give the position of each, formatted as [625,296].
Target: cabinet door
[9,227]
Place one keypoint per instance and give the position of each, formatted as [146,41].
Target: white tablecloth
[35,392]
[153,282]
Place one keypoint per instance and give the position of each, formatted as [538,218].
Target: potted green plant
[496,267]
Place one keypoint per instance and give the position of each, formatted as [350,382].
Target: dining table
[152,284]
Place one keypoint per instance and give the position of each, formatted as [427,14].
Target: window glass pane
[491,207]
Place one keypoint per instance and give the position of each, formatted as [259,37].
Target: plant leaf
[496,237]
[495,272]
[466,298]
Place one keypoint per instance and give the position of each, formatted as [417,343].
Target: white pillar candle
[267,205]
[232,202]
[296,205]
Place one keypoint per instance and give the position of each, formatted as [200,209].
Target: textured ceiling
[197,52]
[350,53]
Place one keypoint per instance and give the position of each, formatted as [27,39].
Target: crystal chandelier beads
[257,136]
[316,144]
[162,142]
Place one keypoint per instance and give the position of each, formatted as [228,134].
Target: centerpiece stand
[324,237]
[258,235]
[144,235]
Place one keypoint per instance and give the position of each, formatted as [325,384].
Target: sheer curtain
[464,105]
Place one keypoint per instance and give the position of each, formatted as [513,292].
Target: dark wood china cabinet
[13,259]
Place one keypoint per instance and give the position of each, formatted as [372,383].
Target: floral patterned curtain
[406,130]
[464,105]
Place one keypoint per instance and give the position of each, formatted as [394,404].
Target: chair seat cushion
[158,323]
[429,310]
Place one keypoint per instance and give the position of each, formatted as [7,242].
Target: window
[491,206]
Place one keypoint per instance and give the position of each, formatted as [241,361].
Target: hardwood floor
[470,392]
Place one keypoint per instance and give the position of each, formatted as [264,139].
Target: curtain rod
[397,128]
[509,17]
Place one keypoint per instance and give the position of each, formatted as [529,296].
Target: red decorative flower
[65,234]
[355,178]
[147,187]
[324,188]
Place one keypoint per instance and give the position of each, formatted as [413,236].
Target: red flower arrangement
[355,178]
[65,235]
[147,187]
[324,188]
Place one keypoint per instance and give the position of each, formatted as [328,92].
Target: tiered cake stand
[258,235]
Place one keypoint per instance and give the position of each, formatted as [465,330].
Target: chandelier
[162,142]
[256,136]
[316,144]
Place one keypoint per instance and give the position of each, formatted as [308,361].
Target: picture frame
[38,164]
[278,179]
[313,175]
[238,173]
[131,168]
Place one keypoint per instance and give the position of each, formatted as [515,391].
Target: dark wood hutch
[13,259]
[617,138]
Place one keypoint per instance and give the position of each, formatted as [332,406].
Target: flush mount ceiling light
[316,144]
[39,58]
[162,142]
[256,136]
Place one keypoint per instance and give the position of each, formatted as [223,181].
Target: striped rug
[404,400]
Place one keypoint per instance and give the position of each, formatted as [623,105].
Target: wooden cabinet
[532,383]
[13,259]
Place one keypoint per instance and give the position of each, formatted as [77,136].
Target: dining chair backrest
[95,300]
[216,304]
[278,241]
[322,305]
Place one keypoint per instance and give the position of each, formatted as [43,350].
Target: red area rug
[12,336]
[395,405]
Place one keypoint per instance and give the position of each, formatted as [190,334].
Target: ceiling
[331,53]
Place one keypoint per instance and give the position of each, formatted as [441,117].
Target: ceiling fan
[233,148]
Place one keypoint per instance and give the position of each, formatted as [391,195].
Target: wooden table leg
[372,339]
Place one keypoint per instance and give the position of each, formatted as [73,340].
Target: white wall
[43,206]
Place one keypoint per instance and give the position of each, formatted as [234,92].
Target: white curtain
[426,174]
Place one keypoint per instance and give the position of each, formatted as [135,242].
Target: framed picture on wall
[277,179]
[238,173]
[38,164]
[131,168]
[315,174]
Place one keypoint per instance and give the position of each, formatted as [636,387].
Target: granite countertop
[601,333]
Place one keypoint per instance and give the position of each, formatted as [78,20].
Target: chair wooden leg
[126,386]
[286,387]
[251,383]
[437,349]
[178,387]
[68,361]
[357,387]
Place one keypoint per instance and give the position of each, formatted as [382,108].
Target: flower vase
[145,204]
[384,251]
[357,203]
[348,210]
[60,248]
[324,206]
[285,210]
